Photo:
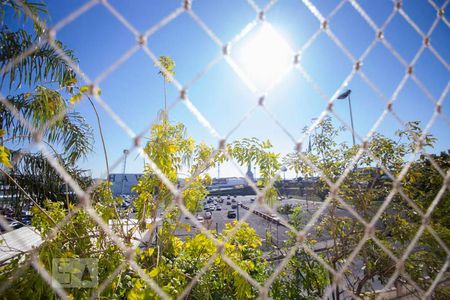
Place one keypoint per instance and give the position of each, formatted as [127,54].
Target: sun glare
[265,56]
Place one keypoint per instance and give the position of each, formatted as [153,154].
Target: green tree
[39,70]
[423,183]
[251,151]
[37,86]
[220,281]
[170,149]
[303,277]
[366,185]
[81,237]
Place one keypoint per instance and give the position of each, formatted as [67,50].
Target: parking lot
[261,225]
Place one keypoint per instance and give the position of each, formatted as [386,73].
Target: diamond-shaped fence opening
[367,219]
[430,267]
[360,270]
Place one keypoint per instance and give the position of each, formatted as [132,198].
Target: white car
[274,217]
[200,219]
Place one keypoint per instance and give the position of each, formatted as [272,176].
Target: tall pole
[125,153]
[342,96]
[351,119]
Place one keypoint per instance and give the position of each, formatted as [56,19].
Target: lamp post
[284,169]
[124,178]
[345,95]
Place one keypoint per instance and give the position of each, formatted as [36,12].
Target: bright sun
[265,56]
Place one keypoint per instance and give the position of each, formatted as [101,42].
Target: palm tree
[37,86]
[39,104]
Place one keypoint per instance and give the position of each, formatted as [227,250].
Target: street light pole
[351,119]
[345,95]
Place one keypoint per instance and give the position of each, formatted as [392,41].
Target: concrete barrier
[263,215]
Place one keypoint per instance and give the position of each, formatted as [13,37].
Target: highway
[261,225]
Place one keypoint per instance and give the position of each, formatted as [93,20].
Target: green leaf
[153,273]
[84,89]
[4,157]
[75,99]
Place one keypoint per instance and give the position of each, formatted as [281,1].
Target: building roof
[18,241]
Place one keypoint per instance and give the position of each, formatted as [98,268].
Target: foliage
[249,151]
[70,131]
[423,183]
[36,107]
[81,237]
[38,86]
[43,182]
[169,149]
[304,277]
[43,65]
[45,108]
[220,281]
[4,157]
[253,151]
[84,90]
[18,9]
[368,181]
[169,67]
[42,68]
[4,153]
[423,180]
[286,209]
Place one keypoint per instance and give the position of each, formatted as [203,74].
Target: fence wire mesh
[338,272]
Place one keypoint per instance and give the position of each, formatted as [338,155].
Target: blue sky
[135,90]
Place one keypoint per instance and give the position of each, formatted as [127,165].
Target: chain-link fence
[399,282]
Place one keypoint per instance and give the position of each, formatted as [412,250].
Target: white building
[122,183]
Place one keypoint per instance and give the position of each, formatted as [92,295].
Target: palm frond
[34,7]
[74,135]
[71,132]
[44,64]
[35,174]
